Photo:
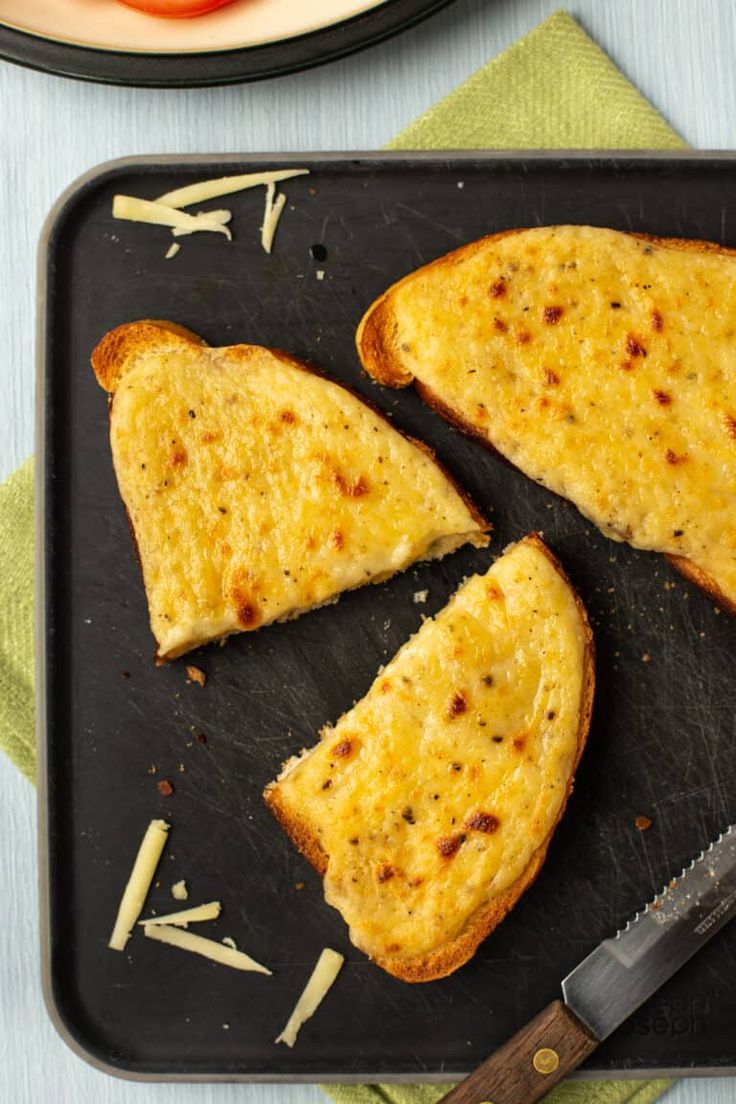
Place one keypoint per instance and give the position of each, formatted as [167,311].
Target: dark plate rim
[215,67]
[60,210]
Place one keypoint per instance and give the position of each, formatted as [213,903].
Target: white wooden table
[680,53]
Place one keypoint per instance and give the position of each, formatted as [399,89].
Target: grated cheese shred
[207,948]
[328,967]
[139,883]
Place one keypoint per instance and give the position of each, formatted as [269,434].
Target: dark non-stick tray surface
[662,743]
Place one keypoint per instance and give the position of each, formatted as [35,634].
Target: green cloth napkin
[17,710]
[553,89]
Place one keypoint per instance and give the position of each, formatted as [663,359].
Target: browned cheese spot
[673,458]
[634,347]
[208,437]
[248,615]
[482,822]
[551,378]
[497,290]
[730,420]
[384,873]
[343,749]
[449,845]
[500,325]
[288,417]
[326,784]
[493,592]
[552,315]
[337,539]
[385,686]
[392,948]
[657,321]
[519,743]
[523,337]
[178,456]
[663,397]
[458,704]
[351,490]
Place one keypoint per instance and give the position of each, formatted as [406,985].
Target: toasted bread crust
[701,579]
[116,351]
[450,956]
[376,342]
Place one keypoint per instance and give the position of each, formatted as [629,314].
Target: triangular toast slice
[602,364]
[429,807]
[257,489]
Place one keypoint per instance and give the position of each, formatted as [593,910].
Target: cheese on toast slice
[602,364]
[257,489]
[429,807]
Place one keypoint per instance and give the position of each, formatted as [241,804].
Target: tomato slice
[175,9]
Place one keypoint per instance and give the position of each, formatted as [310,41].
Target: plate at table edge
[250,40]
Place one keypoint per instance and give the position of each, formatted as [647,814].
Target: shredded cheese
[225,185]
[172,251]
[328,967]
[158,214]
[208,948]
[204,218]
[139,883]
[271,216]
[179,891]
[195,915]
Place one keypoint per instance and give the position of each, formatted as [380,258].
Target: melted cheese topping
[257,489]
[431,796]
[602,366]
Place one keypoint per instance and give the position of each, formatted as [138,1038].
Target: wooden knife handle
[531,1063]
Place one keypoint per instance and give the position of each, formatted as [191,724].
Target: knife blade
[611,983]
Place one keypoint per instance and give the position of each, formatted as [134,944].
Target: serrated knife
[611,983]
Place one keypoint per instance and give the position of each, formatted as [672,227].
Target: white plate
[107,25]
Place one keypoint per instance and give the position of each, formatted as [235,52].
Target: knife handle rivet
[546,1061]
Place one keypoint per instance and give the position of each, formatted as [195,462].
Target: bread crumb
[461,183]
[165,788]
[299,885]
[179,891]
[196,674]
[226,1027]
[172,251]
[420,596]
[320,274]
[230,942]
[643,823]
[646,657]
[152,769]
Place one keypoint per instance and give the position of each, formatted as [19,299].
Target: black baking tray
[663,739]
